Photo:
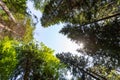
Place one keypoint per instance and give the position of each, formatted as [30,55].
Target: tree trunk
[27,70]
[5,8]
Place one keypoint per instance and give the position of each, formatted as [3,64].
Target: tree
[90,22]
[27,61]
[94,23]
[36,62]
[98,40]
[22,58]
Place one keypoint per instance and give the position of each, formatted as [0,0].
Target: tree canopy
[79,11]
[93,23]
[27,61]
[20,56]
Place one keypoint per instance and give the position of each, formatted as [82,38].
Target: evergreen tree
[94,23]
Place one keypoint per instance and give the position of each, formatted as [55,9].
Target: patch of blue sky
[50,36]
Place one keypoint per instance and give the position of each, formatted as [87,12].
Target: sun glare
[81,45]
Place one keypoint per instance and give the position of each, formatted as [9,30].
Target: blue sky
[51,37]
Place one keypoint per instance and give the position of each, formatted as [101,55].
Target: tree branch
[108,17]
[7,28]
[5,8]
[94,75]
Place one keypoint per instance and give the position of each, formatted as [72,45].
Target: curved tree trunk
[5,8]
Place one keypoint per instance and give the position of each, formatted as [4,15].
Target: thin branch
[108,17]
[63,59]
[5,8]
[88,73]
[97,75]
[94,75]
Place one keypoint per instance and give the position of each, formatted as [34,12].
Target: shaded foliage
[96,24]
[78,11]
[75,64]
[80,67]
[101,42]
[40,4]
[36,62]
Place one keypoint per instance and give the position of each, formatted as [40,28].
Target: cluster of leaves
[27,61]
[8,58]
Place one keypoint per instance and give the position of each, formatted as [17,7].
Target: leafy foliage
[110,75]
[93,23]
[23,59]
[16,6]
[40,4]
[8,58]
[78,11]
[28,34]
[27,61]
[79,66]
[36,62]
[101,42]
